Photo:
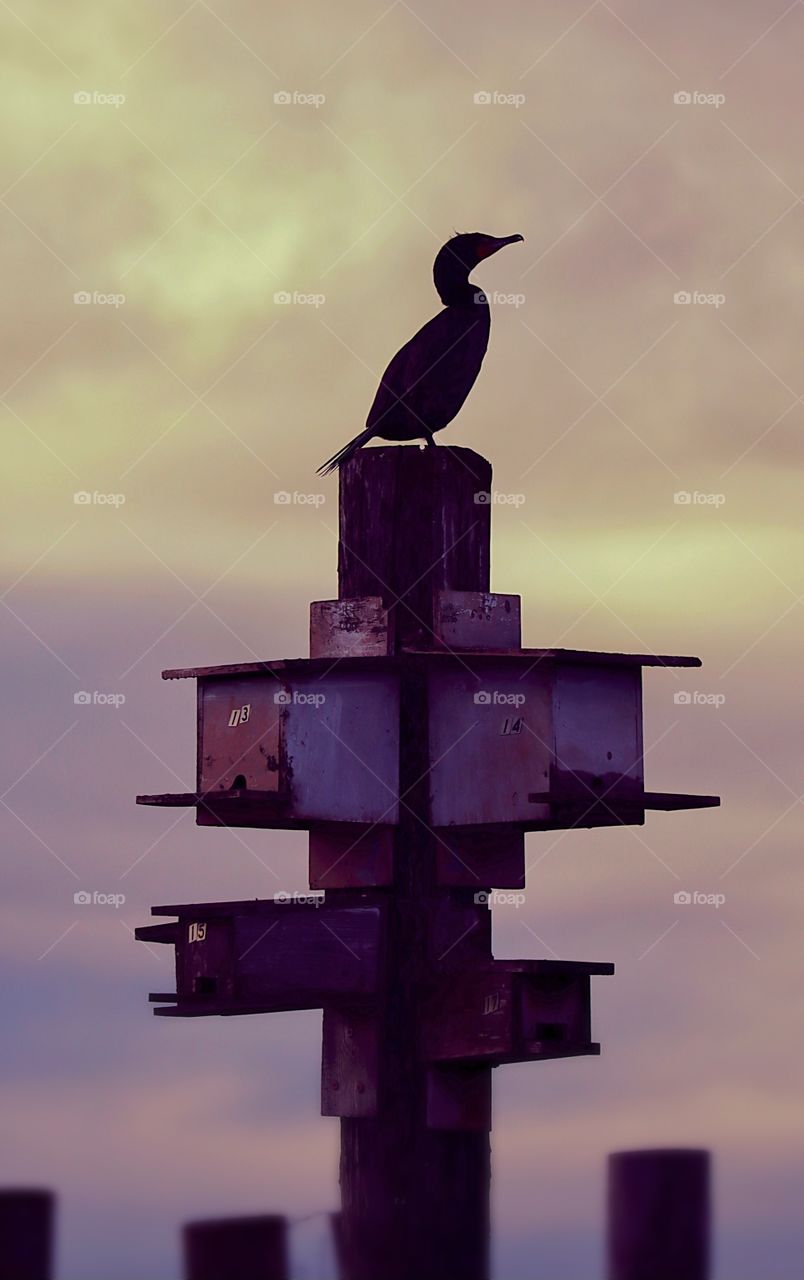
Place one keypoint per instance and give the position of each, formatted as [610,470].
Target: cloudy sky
[172,174]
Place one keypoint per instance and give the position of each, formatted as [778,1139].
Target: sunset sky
[188,166]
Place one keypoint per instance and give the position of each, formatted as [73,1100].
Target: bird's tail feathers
[343,455]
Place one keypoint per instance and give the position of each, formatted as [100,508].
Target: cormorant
[428,380]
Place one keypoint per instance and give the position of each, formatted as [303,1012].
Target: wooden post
[659,1215]
[415,1198]
[414,665]
[413,521]
[338,1244]
[253,1248]
[26,1234]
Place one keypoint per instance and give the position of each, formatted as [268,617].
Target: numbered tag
[197,933]
[240,715]
[512,724]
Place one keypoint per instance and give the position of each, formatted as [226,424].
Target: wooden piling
[250,1248]
[26,1234]
[659,1215]
[415,1197]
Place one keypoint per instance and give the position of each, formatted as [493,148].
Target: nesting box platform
[418,744]
[528,740]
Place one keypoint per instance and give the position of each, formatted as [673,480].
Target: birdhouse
[287,744]
[532,739]
[264,957]
[550,739]
[510,1011]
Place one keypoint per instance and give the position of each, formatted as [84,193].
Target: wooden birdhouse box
[529,740]
[294,744]
[510,1011]
[264,957]
[541,739]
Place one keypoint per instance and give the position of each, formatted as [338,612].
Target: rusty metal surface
[343,753]
[503,1013]
[476,620]
[329,747]
[491,745]
[349,628]
[597,728]
[240,729]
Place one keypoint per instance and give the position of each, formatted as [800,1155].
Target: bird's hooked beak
[498,242]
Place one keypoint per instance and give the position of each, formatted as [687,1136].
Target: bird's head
[458,257]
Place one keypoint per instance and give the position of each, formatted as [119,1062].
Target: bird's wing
[431,370]
[394,382]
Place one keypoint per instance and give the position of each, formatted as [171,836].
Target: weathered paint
[349,628]
[271,957]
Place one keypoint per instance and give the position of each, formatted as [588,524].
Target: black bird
[428,380]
